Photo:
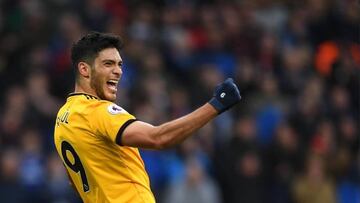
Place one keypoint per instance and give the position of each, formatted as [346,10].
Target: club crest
[115,109]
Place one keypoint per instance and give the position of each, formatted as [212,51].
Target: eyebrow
[112,61]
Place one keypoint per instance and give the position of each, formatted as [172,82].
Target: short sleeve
[111,121]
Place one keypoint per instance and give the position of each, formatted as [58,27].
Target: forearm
[174,132]
[144,135]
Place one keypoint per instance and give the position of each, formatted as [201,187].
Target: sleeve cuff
[121,130]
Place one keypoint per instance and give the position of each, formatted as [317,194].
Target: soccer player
[98,140]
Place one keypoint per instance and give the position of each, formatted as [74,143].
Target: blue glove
[225,96]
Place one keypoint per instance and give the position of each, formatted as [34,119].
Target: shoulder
[108,107]
[92,107]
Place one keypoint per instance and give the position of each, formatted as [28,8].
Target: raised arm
[144,135]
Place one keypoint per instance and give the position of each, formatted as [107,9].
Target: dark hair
[89,46]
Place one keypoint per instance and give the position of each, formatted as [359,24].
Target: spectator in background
[283,162]
[269,107]
[314,185]
[309,109]
[239,164]
[11,188]
[347,170]
[349,134]
[340,102]
[57,183]
[32,168]
[247,74]
[40,99]
[295,71]
[13,115]
[348,177]
[248,182]
[196,187]
[323,140]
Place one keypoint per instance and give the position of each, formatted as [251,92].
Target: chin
[111,97]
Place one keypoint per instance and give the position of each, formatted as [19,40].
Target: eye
[107,63]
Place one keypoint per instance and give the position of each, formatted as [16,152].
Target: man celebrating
[98,141]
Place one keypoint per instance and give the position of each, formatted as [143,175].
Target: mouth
[112,85]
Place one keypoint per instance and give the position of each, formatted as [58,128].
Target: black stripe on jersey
[119,134]
[88,96]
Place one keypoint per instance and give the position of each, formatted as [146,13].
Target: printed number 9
[77,166]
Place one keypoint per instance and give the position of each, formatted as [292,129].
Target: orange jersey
[88,139]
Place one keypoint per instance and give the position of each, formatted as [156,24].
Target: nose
[117,71]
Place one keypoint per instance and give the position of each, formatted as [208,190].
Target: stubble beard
[96,84]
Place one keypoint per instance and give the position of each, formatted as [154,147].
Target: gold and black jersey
[88,139]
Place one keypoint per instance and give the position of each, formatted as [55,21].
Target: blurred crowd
[294,137]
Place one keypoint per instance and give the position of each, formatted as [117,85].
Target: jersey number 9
[77,166]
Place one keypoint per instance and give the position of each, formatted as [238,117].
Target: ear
[84,69]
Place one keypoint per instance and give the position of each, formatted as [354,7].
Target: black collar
[88,96]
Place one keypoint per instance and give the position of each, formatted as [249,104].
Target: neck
[84,88]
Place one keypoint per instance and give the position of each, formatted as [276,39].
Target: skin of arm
[143,135]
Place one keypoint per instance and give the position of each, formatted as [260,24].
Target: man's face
[105,74]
